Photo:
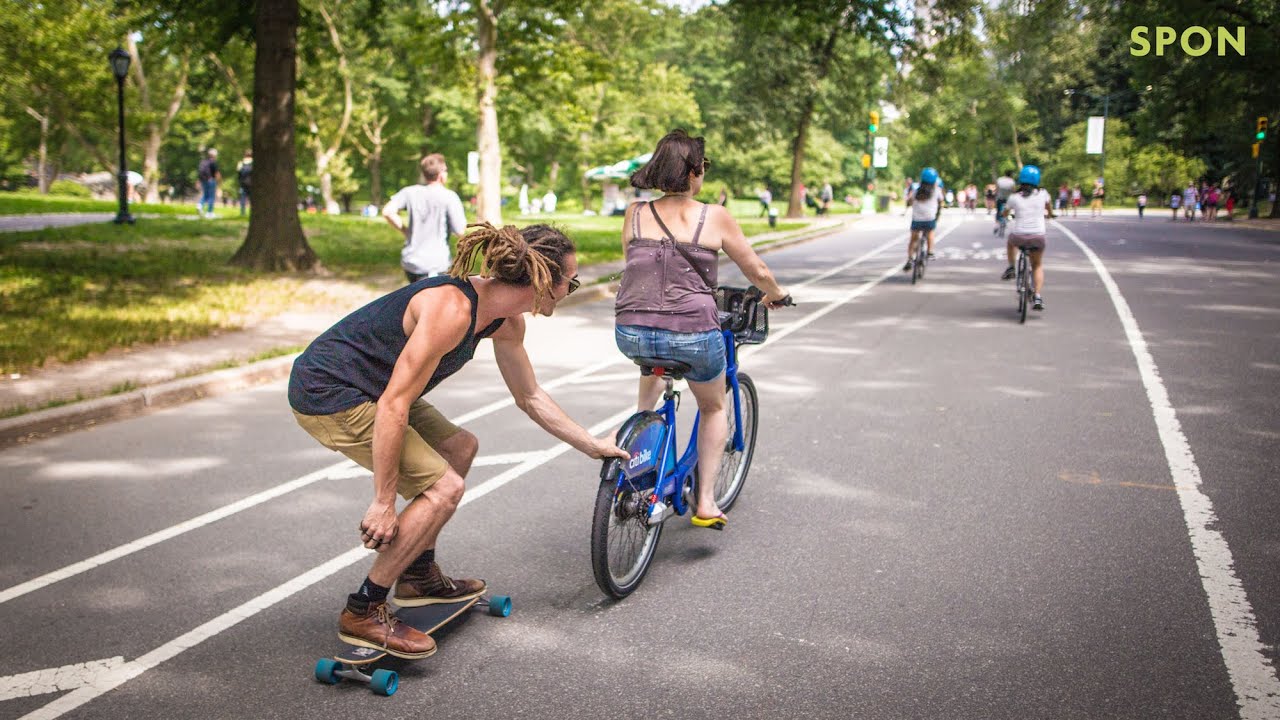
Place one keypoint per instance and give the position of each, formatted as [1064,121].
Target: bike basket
[742,314]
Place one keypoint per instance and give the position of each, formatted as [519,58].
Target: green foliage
[69,188]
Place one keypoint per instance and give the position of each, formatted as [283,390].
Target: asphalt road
[949,516]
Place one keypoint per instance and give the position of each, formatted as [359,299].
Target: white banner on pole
[880,153]
[1093,142]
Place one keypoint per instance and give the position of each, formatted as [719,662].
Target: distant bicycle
[1026,285]
[635,498]
[920,260]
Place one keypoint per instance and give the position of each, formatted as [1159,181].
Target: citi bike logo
[1195,40]
[639,458]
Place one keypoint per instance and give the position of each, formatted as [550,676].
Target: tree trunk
[324,156]
[795,206]
[42,167]
[1017,151]
[275,240]
[554,173]
[490,190]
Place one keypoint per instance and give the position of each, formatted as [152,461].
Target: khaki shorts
[350,432]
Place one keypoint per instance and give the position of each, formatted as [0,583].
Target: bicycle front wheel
[622,539]
[736,463]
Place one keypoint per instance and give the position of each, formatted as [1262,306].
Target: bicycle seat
[671,368]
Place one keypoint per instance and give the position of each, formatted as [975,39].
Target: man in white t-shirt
[435,212]
[1029,206]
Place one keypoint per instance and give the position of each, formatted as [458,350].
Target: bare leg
[930,242]
[713,432]
[1011,252]
[420,525]
[1037,268]
[651,387]
[911,246]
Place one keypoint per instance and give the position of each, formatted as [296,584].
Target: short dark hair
[432,165]
[668,169]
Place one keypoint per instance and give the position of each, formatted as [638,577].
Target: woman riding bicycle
[925,201]
[666,305]
[1029,206]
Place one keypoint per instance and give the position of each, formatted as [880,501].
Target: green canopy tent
[620,170]
[615,202]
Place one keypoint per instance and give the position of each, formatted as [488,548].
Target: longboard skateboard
[352,662]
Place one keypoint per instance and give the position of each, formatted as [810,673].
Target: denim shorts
[924,224]
[702,351]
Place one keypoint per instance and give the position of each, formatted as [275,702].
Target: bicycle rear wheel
[735,464]
[922,257]
[1024,294]
[622,540]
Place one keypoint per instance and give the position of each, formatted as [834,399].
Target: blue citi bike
[636,497]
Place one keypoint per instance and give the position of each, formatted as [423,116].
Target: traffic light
[866,161]
[1256,148]
[874,124]
[1262,128]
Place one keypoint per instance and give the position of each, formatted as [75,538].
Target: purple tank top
[660,289]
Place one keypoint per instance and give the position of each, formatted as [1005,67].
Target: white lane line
[171,649]
[505,458]
[328,472]
[338,471]
[1253,677]
[59,679]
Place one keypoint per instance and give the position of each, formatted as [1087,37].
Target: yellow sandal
[718,522]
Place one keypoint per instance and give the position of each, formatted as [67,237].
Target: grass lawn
[28,203]
[66,293]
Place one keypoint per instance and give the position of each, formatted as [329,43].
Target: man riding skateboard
[359,389]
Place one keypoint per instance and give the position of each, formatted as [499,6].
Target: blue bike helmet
[1029,175]
[929,175]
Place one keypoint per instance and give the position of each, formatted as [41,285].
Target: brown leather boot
[375,626]
[434,587]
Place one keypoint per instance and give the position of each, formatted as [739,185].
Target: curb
[40,424]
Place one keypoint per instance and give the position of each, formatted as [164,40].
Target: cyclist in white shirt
[1029,206]
[925,201]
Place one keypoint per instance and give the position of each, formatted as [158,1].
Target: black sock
[423,563]
[369,592]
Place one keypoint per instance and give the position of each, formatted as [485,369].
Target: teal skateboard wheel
[384,682]
[500,606]
[327,671]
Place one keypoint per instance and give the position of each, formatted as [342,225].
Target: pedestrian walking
[766,199]
[1175,202]
[1099,194]
[1190,202]
[1142,204]
[244,174]
[435,212]
[209,176]
[1076,195]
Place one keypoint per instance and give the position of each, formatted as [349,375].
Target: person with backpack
[244,173]
[209,176]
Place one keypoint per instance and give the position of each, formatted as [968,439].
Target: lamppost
[1106,99]
[120,68]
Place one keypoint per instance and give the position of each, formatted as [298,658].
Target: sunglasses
[574,284]
[706,163]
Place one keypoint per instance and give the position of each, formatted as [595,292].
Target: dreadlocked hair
[530,256]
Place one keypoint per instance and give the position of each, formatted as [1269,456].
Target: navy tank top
[351,362]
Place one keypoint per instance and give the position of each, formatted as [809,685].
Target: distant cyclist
[925,202]
[1004,188]
[1029,207]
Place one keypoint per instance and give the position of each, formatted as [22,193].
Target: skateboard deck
[426,618]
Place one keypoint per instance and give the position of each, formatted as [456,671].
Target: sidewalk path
[40,221]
